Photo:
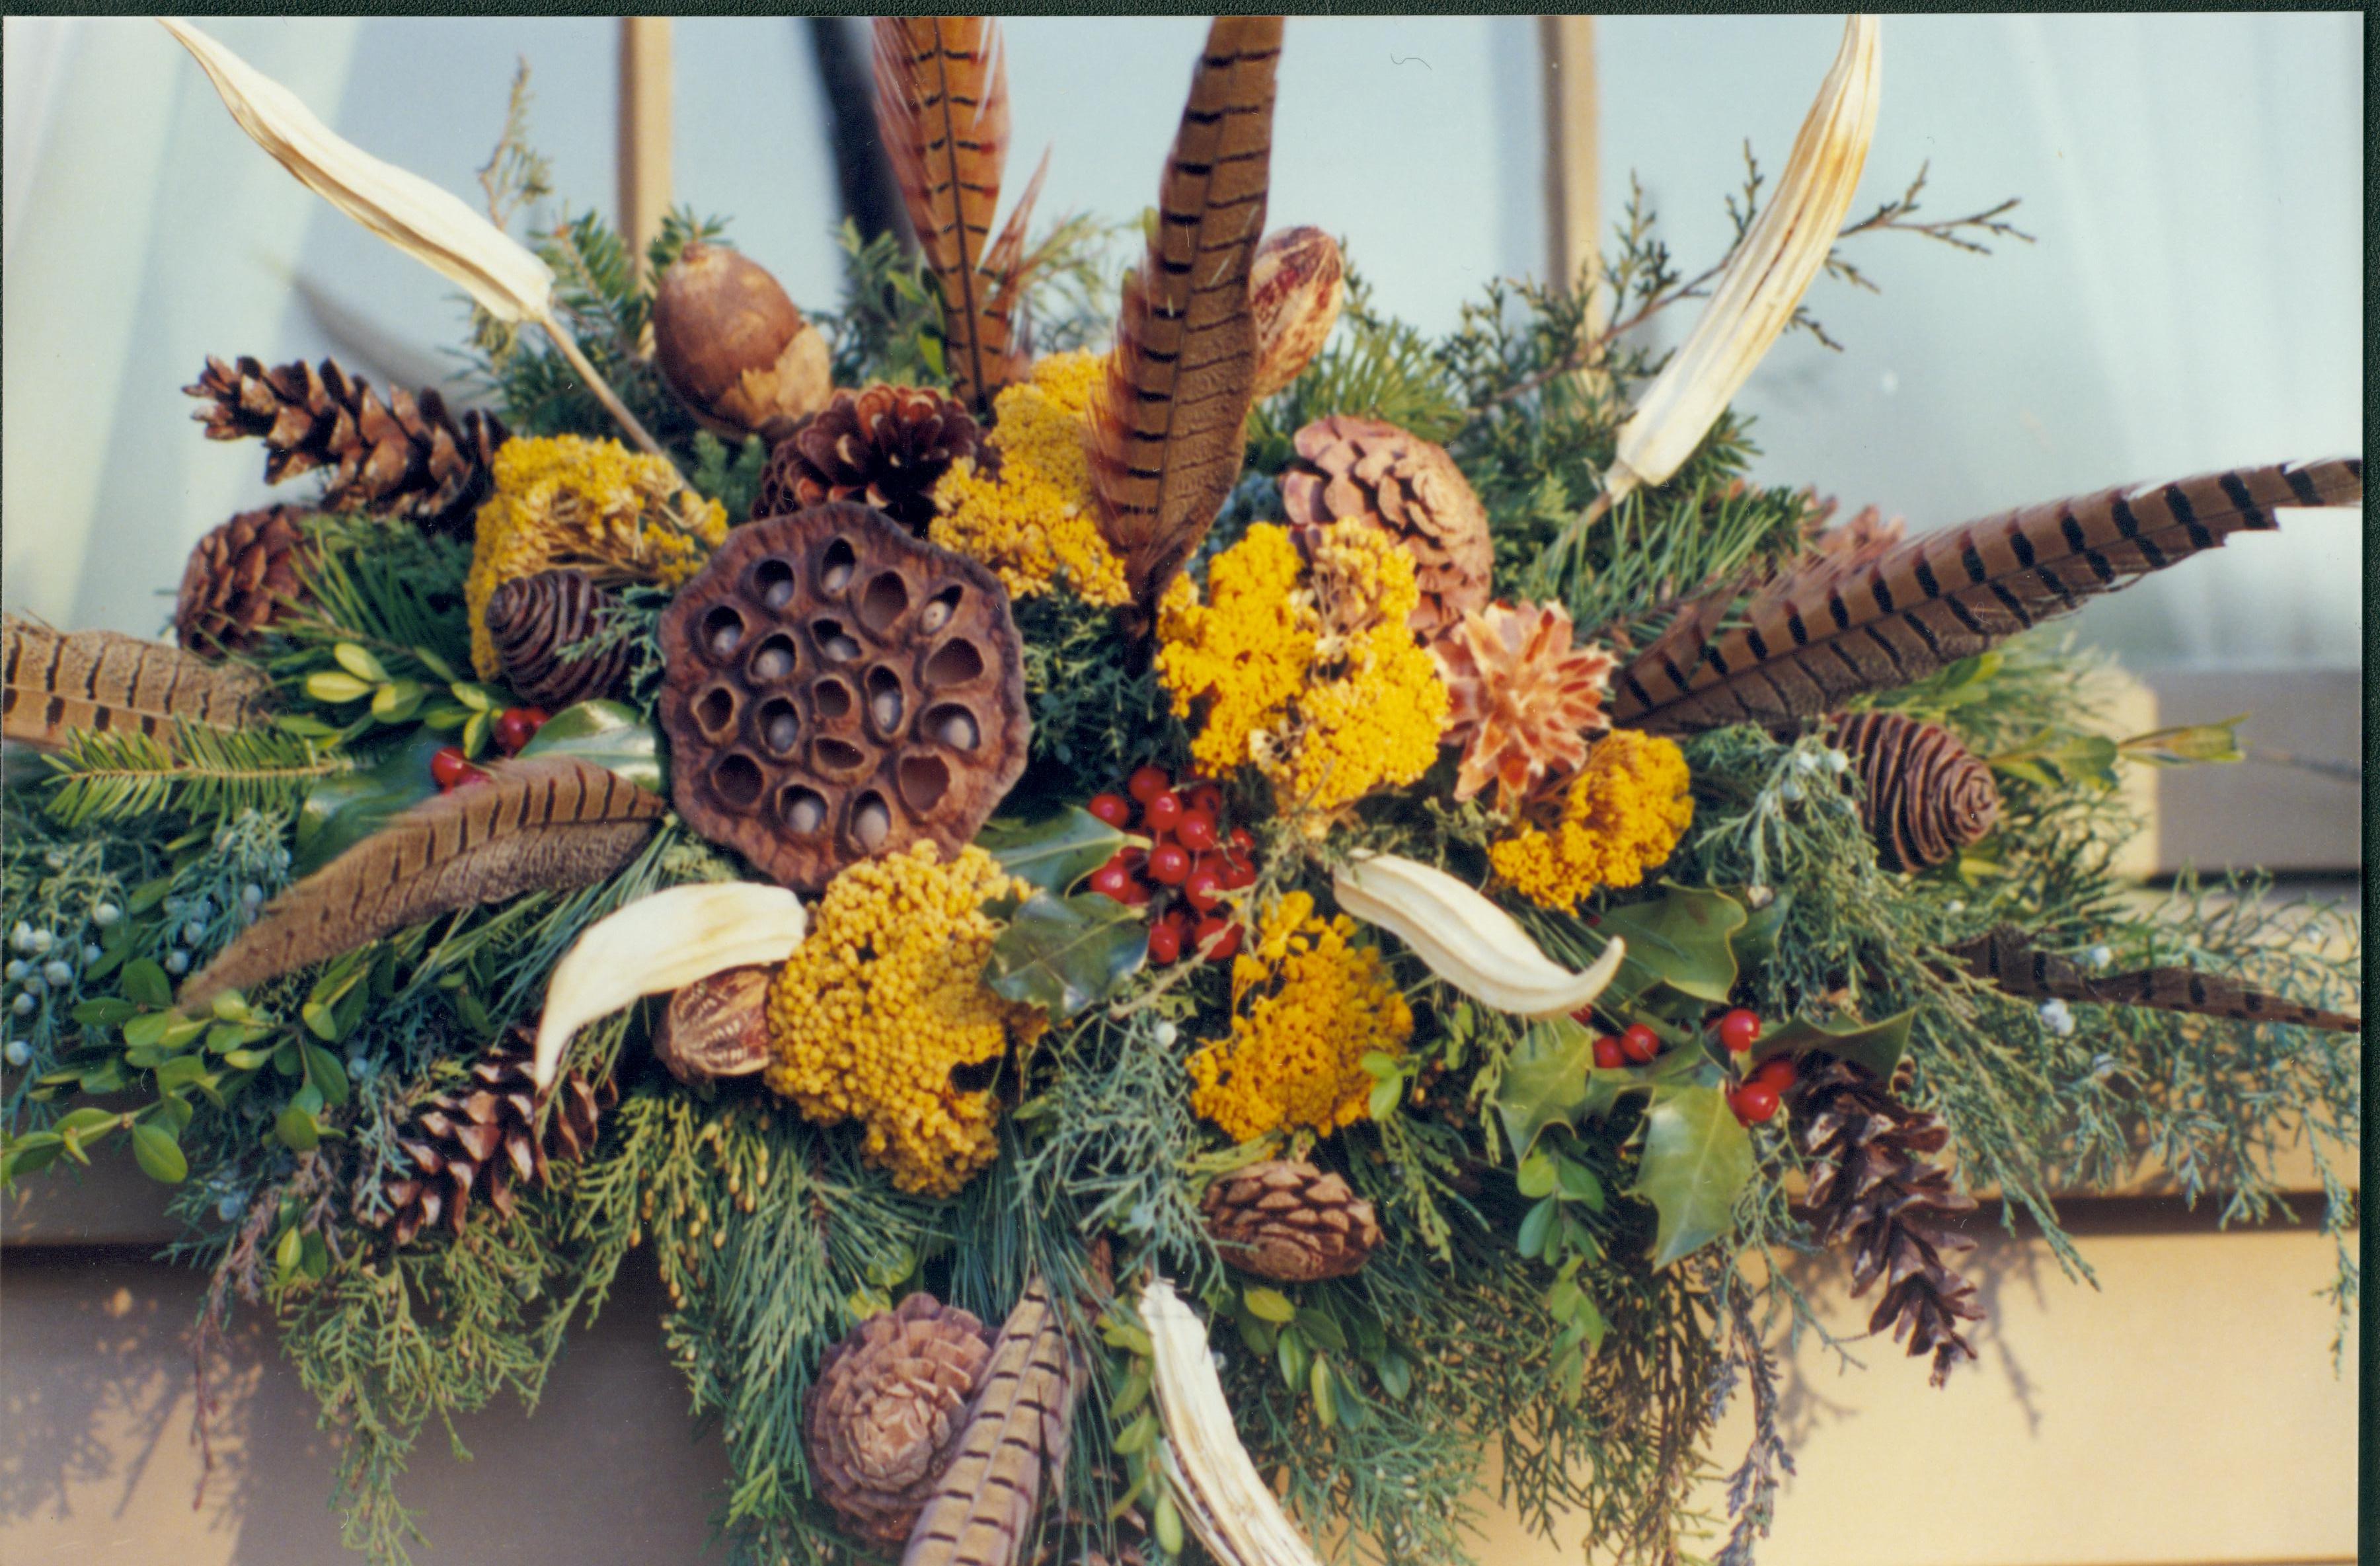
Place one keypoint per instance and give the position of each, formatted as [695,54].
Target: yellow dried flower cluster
[1308,670]
[885,999]
[563,500]
[1032,519]
[1621,817]
[1294,1059]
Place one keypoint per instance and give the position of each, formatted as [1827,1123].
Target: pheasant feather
[2006,959]
[1165,441]
[57,684]
[1931,601]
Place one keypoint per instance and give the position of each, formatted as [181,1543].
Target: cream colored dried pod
[659,943]
[1295,287]
[1762,286]
[735,349]
[1467,940]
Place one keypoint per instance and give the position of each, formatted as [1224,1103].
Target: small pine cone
[531,619]
[241,578]
[1290,1221]
[1523,700]
[1923,794]
[407,457]
[886,447]
[1369,470]
[887,1410]
[1875,1191]
[480,1139]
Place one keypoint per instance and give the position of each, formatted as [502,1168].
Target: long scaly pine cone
[479,1139]
[1523,700]
[1290,1221]
[409,456]
[531,619]
[1367,468]
[242,576]
[886,1412]
[1874,1192]
[887,447]
[1924,796]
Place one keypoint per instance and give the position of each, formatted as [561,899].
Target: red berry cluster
[1756,1100]
[450,769]
[1190,863]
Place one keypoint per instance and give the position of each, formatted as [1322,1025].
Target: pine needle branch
[208,774]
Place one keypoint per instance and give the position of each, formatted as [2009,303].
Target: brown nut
[717,1026]
[1295,287]
[732,346]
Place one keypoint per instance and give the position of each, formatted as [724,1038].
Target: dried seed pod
[1367,470]
[531,619]
[837,690]
[717,1026]
[886,446]
[1288,1220]
[734,347]
[1294,288]
[887,1410]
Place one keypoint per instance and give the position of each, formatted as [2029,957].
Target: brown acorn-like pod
[1923,794]
[532,618]
[837,690]
[1288,1220]
[887,1410]
[1367,470]
[732,346]
[717,1026]
[1295,290]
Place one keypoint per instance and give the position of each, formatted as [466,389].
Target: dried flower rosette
[1523,700]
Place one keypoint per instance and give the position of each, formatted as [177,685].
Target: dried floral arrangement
[1166,943]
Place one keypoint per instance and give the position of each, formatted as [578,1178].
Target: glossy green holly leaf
[610,734]
[1680,937]
[1877,1046]
[1063,953]
[1053,853]
[1696,1158]
[1545,1082]
[1756,941]
[341,811]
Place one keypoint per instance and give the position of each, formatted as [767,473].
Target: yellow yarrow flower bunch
[1620,817]
[1307,671]
[1032,518]
[885,999]
[566,500]
[1294,1059]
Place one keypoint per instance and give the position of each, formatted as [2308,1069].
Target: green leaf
[1696,1158]
[1065,953]
[1535,1226]
[331,686]
[1579,1183]
[297,1130]
[1054,853]
[285,1256]
[340,812]
[1270,1304]
[158,1155]
[1325,1406]
[179,1072]
[358,661]
[104,1012]
[1877,1046]
[1756,941]
[34,1150]
[394,703]
[148,1030]
[1537,1174]
[1396,1375]
[2188,743]
[1679,938]
[145,984]
[325,1072]
[1322,1327]
[1385,1094]
[1547,1081]
[608,733]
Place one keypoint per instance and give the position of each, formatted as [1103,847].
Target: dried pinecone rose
[1288,1220]
[887,1411]
[886,447]
[1367,469]
[1523,700]
[241,578]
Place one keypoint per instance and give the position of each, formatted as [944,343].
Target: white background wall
[2195,298]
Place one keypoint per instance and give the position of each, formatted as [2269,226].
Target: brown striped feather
[2008,960]
[1166,438]
[54,684]
[551,823]
[1932,600]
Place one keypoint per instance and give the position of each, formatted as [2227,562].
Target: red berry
[1113,808]
[1225,934]
[472,779]
[1205,888]
[1197,830]
[1752,1102]
[1168,865]
[1135,892]
[447,765]
[1205,799]
[1739,1030]
[1639,1043]
[1165,940]
[1243,840]
[1147,784]
[1776,1071]
[1161,812]
[1110,880]
[514,726]
[1607,1053]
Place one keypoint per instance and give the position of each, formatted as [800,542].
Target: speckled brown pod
[837,690]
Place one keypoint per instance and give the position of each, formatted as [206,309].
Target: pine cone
[1366,468]
[241,578]
[1874,1190]
[1290,1221]
[531,619]
[887,1410]
[886,446]
[407,457]
[1523,700]
[1923,794]
[481,1138]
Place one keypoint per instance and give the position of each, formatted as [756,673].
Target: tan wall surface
[2185,1412]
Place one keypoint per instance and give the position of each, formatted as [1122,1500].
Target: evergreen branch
[515,174]
[104,778]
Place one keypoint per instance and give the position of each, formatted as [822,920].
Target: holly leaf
[608,733]
[1697,1157]
[1756,941]
[1054,853]
[341,811]
[1877,1046]
[1545,1082]
[1680,938]
[1063,953]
